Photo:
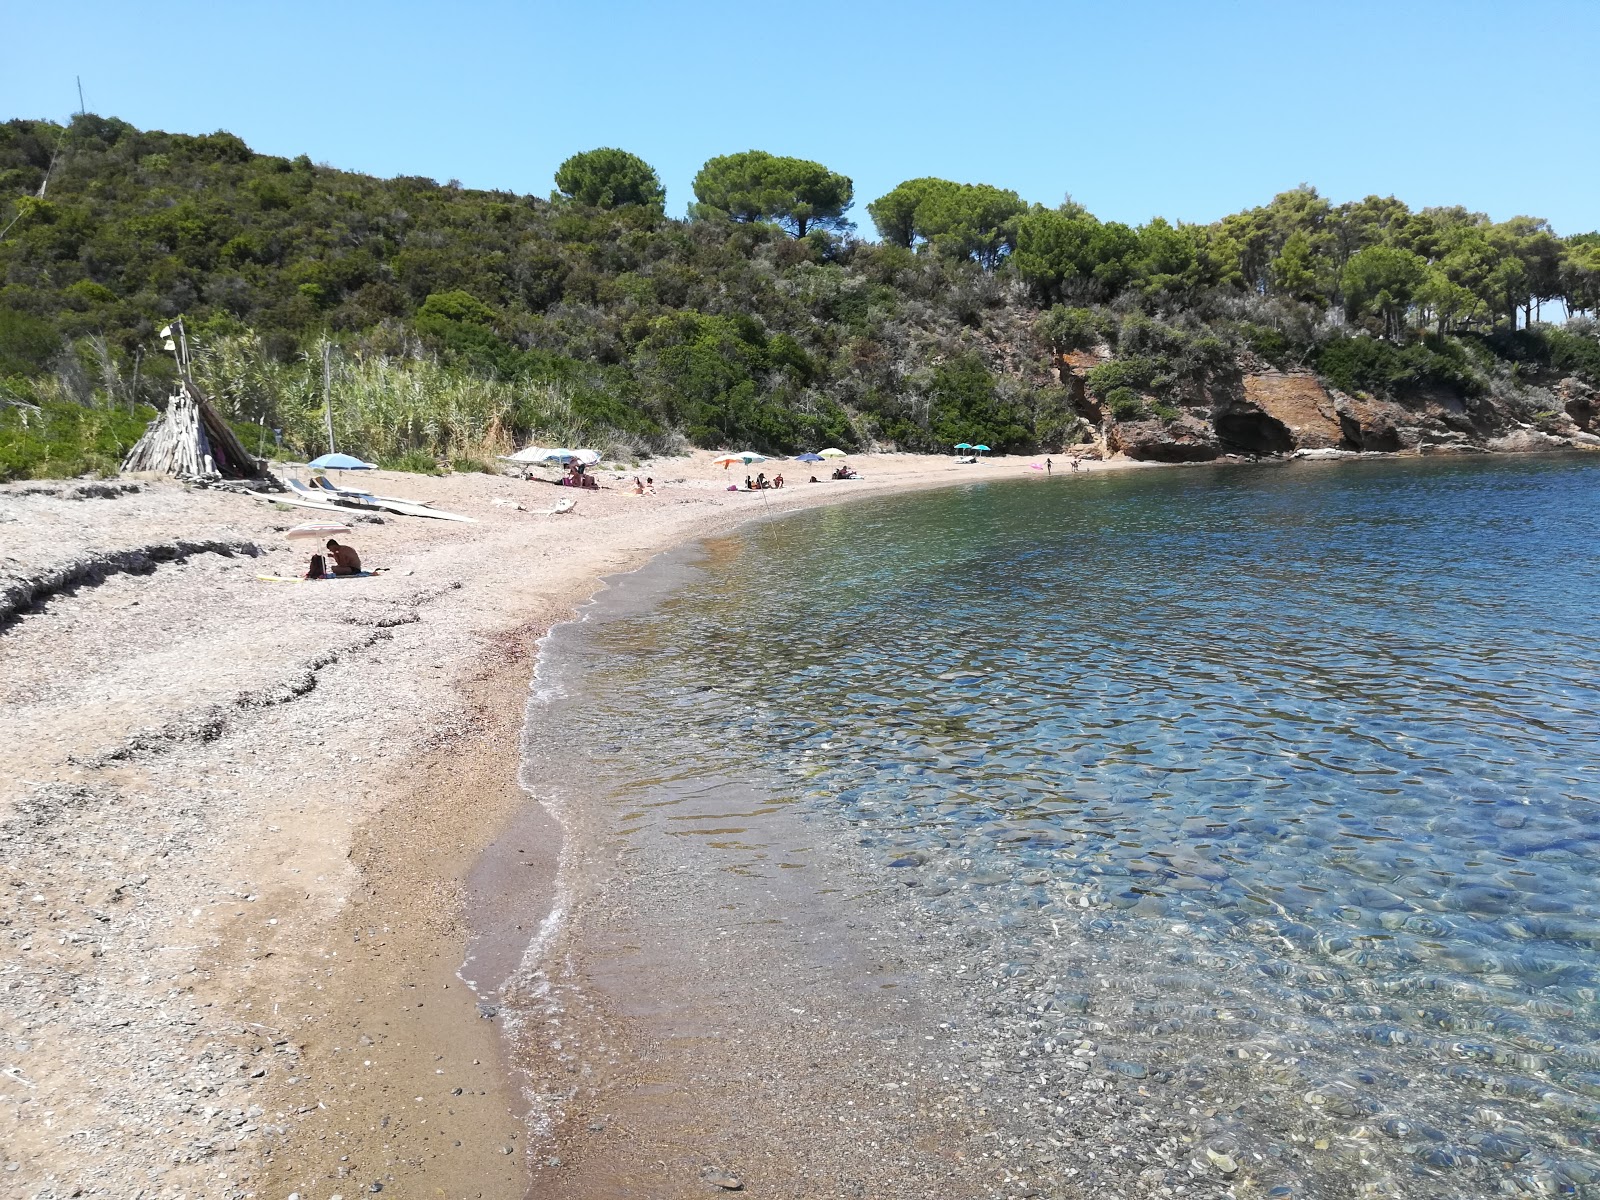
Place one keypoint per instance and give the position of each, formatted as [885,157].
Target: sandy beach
[243,819]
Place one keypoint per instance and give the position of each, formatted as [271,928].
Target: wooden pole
[327,393]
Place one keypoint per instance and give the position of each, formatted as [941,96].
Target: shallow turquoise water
[1279,783]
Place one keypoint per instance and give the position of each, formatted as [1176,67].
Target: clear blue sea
[1275,790]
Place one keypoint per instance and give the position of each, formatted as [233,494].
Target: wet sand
[243,823]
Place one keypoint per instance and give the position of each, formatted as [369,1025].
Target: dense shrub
[1271,344]
[1576,352]
[1063,329]
[1125,404]
[57,439]
[1139,373]
[1366,364]
[418,462]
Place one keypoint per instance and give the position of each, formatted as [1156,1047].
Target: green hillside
[467,321]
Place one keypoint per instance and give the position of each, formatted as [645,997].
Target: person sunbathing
[761,482]
[749,484]
[777,481]
[341,560]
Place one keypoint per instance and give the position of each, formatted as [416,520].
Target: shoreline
[283,767]
[245,990]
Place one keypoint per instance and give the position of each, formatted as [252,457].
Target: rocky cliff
[1258,411]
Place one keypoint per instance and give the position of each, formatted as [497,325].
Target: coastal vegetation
[463,321]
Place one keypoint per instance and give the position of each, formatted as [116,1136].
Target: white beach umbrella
[319,530]
[831,452]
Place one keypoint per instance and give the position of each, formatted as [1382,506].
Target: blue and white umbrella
[341,462]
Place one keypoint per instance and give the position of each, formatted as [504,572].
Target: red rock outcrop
[1300,404]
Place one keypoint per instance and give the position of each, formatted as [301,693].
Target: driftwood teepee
[191,441]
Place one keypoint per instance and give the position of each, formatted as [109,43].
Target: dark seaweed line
[18,596]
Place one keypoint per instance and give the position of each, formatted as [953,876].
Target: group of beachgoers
[577,475]
[761,483]
[1072,462]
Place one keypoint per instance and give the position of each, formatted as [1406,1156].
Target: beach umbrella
[341,462]
[750,456]
[808,457]
[980,449]
[727,460]
[831,452]
[318,530]
[963,445]
[539,454]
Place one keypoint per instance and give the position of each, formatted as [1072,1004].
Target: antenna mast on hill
[55,157]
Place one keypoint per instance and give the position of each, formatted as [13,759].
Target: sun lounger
[296,502]
[327,485]
[348,499]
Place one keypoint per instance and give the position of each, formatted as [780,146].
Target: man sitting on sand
[777,481]
[342,560]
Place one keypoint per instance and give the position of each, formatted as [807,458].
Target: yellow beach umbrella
[831,452]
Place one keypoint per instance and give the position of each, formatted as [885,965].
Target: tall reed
[385,407]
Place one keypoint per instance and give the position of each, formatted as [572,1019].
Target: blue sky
[1185,110]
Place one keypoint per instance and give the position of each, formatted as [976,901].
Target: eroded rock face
[1188,439]
[1245,429]
[1375,425]
[1581,403]
[1527,441]
[1299,405]
[1071,368]
[1272,413]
